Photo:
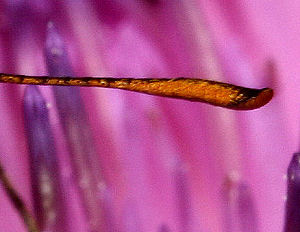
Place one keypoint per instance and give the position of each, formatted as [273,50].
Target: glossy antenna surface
[199,90]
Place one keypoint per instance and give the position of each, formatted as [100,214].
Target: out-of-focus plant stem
[18,202]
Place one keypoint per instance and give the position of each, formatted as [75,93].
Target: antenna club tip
[262,98]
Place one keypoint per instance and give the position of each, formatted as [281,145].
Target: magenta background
[256,44]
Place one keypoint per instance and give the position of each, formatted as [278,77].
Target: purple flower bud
[44,168]
[292,215]
[56,55]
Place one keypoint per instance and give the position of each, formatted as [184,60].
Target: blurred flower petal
[183,198]
[239,210]
[111,224]
[139,137]
[76,128]
[131,219]
[46,190]
[164,228]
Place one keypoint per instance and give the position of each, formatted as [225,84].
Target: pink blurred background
[149,146]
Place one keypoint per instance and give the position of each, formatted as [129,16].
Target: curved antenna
[199,90]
